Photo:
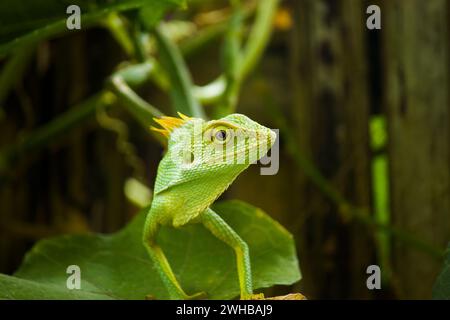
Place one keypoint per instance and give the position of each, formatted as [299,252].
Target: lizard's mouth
[272,137]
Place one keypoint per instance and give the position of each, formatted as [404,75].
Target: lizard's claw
[196,296]
[256,296]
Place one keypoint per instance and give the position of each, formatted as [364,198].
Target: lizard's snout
[272,137]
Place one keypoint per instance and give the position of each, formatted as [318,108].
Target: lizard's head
[204,157]
[226,145]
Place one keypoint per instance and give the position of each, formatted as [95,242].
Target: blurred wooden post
[416,100]
[330,108]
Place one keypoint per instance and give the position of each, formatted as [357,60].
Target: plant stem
[212,92]
[136,75]
[205,36]
[13,70]
[231,59]
[115,25]
[142,111]
[138,40]
[210,33]
[180,78]
[259,36]
[227,93]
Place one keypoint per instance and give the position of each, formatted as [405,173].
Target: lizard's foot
[256,296]
[196,296]
[290,296]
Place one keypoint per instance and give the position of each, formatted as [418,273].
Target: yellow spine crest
[168,124]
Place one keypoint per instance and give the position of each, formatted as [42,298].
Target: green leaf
[29,21]
[117,266]
[441,289]
[16,288]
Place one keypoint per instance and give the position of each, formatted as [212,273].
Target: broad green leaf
[29,21]
[441,289]
[16,288]
[117,266]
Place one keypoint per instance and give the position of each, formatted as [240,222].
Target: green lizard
[203,158]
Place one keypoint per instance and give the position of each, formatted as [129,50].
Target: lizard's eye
[221,134]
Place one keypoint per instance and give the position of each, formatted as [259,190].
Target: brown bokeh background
[322,80]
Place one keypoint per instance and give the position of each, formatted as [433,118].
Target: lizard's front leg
[162,265]
[218,227]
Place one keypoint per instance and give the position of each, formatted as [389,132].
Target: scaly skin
[192,175]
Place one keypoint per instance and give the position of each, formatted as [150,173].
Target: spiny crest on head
[168,124]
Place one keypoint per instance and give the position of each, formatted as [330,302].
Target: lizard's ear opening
[168,124]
